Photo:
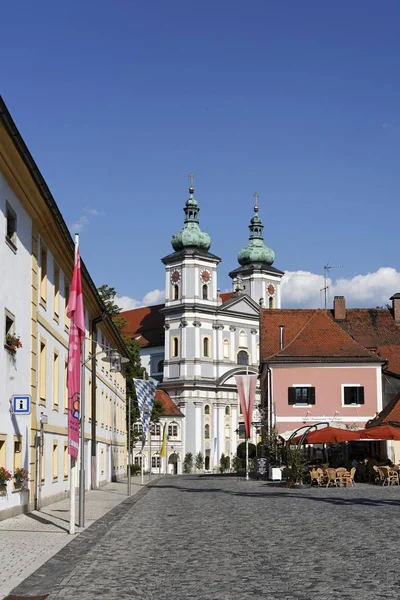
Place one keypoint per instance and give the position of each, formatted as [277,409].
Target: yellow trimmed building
[36,263]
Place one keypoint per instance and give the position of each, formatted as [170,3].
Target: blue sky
[299,101]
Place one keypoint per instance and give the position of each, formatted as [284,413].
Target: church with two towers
[197,341]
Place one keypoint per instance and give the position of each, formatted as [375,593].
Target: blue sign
[21,405]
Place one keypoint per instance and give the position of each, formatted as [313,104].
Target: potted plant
[20,478]
[297,464]
[4,477]
[13,342]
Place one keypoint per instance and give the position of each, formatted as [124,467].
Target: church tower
[191,293]
[261,281]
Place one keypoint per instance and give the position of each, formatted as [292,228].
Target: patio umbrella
[330,435]
[380,432]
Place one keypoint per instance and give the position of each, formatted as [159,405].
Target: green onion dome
[191,234]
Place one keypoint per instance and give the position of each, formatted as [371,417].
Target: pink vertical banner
[246,385]
[76,314]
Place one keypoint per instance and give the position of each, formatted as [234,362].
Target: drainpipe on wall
[93,463]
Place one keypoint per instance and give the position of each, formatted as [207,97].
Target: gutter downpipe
[93,462]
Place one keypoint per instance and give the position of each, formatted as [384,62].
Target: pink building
[313,370]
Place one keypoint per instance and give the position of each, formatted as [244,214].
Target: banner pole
[247,458]
[129,447]
[82,465]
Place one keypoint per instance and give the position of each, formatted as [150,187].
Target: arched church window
[270,303]
[205,292]
[175,347]
[242,358]
[207,409]
[160,366]
[176,292]
[207,463]
[206,347]
[242,338]
[207,431]
[227,348]
[227,410]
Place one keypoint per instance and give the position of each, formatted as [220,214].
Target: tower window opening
[206,347]
[176,291]
[175,347]
[205,292]
[270,303]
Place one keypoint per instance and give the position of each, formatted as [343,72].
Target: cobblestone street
[222,538]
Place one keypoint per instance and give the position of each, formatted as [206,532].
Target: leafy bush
[135,469]
[188,463]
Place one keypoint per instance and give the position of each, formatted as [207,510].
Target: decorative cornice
[197,323]
[232,328]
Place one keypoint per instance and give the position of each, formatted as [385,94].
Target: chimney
[281,336]
[396,307]
[339,308]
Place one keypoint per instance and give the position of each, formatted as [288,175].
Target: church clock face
[271,289]
[175,277]
[205,276]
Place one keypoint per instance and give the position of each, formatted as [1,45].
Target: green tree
[133,369]
[223,463]
[108,294]
[199,461]
[188,463]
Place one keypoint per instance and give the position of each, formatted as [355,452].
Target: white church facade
[200,339]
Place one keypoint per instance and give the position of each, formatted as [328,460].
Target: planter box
[275,474]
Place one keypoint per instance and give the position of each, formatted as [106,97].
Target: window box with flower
[5,476]
[21,477]
[12,342]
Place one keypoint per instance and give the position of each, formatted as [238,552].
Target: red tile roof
[309,336]
[376,329]
[391,412]
[226,296]
[170,408]
[146,324]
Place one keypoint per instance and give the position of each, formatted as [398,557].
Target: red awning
[331,435]
[380,432]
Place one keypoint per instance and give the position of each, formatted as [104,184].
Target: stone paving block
[222,538]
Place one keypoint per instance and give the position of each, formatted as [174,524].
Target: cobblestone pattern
[28,541]
[216,538]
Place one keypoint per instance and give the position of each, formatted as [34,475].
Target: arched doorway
[173,460]
[207,462]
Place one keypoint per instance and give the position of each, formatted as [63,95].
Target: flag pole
[248,422]
[82,465]
[72,470]
[129,447]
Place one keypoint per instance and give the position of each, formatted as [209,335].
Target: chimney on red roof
[281,336]
[339,308]
[396,307]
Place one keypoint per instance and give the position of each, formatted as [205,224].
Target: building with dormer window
[197,341]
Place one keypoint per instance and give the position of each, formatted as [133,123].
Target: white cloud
[79,224]
[83,220]
[152,297]
[303,289]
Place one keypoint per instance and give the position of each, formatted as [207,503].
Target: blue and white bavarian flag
[145,393]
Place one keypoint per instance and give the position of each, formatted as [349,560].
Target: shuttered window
[353,395]
[301,395]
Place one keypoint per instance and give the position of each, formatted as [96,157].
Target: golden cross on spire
[191,177]
[255,196]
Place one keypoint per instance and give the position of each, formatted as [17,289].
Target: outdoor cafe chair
[352,475]
[393,476]
[343,476]
[331,477]
[384,475]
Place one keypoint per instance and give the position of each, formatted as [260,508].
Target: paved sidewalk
[28,541]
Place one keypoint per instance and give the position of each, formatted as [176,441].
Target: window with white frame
[227,348]
[242,339]
[206,347]
[301,394]
[156,462]
[173,430]
[138,460]
[207,409]
[9,329]
[242,357]
[175,347]
[227,410]
[207,431]
[155,429]
[11,231]
[137,428]
[352,395]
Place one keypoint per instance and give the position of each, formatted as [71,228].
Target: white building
[200,339]
[36,264]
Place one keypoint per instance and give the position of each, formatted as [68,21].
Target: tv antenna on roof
[325,289]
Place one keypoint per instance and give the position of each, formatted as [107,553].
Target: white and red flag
[76,314]
[246,385]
